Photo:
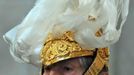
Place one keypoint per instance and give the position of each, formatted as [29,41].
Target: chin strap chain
[100,61]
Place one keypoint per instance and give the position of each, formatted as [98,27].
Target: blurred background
[12,12]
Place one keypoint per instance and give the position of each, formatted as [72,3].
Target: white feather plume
[84,17]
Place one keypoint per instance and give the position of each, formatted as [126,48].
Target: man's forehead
[72,61]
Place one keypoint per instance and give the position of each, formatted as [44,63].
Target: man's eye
[66,68]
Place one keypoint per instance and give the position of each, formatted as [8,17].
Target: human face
[68,67]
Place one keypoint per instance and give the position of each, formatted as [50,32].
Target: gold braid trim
[100,61]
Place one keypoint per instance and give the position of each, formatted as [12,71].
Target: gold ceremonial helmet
[81,24]
[65,47]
